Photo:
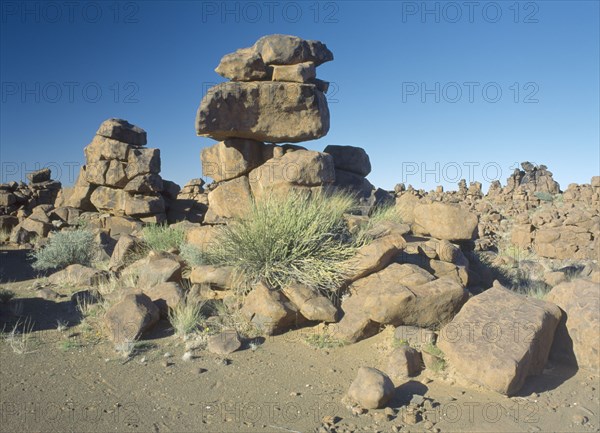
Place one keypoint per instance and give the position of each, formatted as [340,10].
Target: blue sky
[434,91]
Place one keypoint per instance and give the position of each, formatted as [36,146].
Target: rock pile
[22,205]
[273,97]
[121,175]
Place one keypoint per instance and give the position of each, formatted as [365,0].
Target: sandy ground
[284,385]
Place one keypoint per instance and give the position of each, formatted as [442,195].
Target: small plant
[6,295]
[399,343]
[66,248]
[438,363]
[159,237]
[301,238]
[185,317]
[323,340]
[20,339]
[69,344]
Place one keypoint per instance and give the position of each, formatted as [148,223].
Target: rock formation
[121,176]
[273,98]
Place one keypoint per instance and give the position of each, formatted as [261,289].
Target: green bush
[159,237]
[301,238]
[66,248]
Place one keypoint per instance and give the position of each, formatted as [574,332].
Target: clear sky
[434,91]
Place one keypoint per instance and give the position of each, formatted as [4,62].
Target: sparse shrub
[543,196]
[161,237]
[6,295]
[532,288]
[20,336]
[295,238]
[185,317]
[66,248]
[323,340]
[386,213]
[193,255]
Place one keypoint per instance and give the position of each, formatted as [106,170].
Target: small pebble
[167,355]
[579,419]
[187,356]
[294,394]
[202,370]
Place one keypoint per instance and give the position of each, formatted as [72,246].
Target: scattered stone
[371,389]
[404,362]
[133,315]
[224,343]
[268,309]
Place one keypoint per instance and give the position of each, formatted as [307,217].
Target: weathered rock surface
[507,344]
[130,317]
[300,168]
[576,338]
[224,343]
[231,199]
[231,158]
[371,389]
[404,362]
[122,130]
[445,221]
[269,310]
[350,158]
[311,304]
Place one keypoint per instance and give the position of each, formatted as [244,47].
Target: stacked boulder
[273,98]
[121,176]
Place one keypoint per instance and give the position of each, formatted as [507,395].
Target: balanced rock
[122,130]
[244,64]
[264,111]
[289,50]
